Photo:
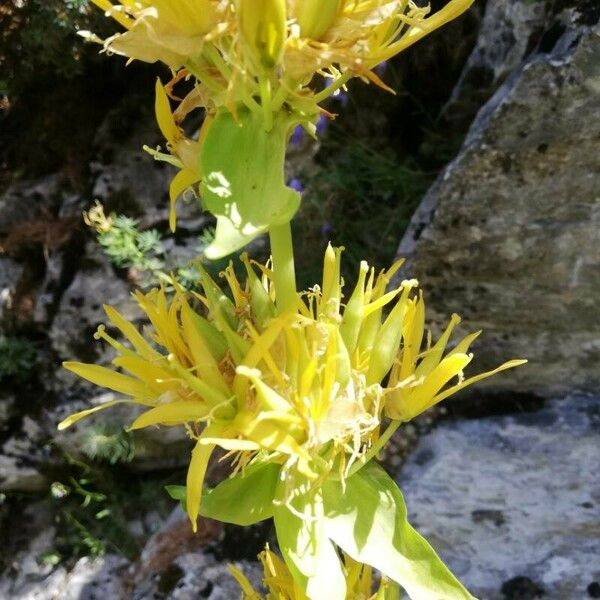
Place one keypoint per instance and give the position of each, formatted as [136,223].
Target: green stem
[284,274]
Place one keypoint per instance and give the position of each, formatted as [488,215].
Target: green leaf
[244,499]
[178,492]
[309,554]
[368,521]
[243,178]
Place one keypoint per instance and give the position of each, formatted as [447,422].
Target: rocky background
[485,168]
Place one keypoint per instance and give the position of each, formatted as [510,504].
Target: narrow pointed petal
[108,378]
[173,413]
[129,330]
[84,413]
[471,380]
[195,475]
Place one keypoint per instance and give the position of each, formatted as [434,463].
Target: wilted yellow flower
[280,584]
[303,388]
[183,152]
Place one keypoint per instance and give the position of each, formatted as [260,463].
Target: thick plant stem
[284,273]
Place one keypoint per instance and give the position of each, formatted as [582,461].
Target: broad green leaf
[243,180]
[369,522]
[244,499]
[309,554]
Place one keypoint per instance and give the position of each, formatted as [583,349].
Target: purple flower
[327,230]
[296,185]
[322,124]
[381,68]
[297,135]
[342,97]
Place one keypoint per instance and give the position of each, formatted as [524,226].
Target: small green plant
[17,357]
[94,505]
[126,246]
[108,442]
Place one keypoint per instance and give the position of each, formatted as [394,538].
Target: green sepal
[368,520]
[243,178]
[245,498]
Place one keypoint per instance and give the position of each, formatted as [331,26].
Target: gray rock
[510,497]
[97,579]
[509,235]
[21,456]
[38,220]
[174,564]
[28,200]
[80,310]
[10,273]
[197,575]
[506,35]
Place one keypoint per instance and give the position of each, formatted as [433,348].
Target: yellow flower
[280,584]
[183,151]
[304,388]
[422,376]
[344,38]
[264,57]
[171,31]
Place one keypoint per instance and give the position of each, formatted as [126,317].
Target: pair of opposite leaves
[367,519]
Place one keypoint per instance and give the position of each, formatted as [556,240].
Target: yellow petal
[118,16]
[157,380]
[270,399]
[204,363]
[269,436]
[433,356]
[129,330]
[182,181]
[84,413]
[231,444]
[108,378]
[244,583]
[173,413]
[164,116]
[448,368]
[464,345]
[452,390]
[452,10]
[195,475]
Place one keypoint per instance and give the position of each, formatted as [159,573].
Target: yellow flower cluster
[280,584]
[266,57]
[306,388]
[229,45]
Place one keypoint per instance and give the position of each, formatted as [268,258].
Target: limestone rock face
[510,502]
[509,235]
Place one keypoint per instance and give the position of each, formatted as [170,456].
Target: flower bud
[263,27]
[315,17]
